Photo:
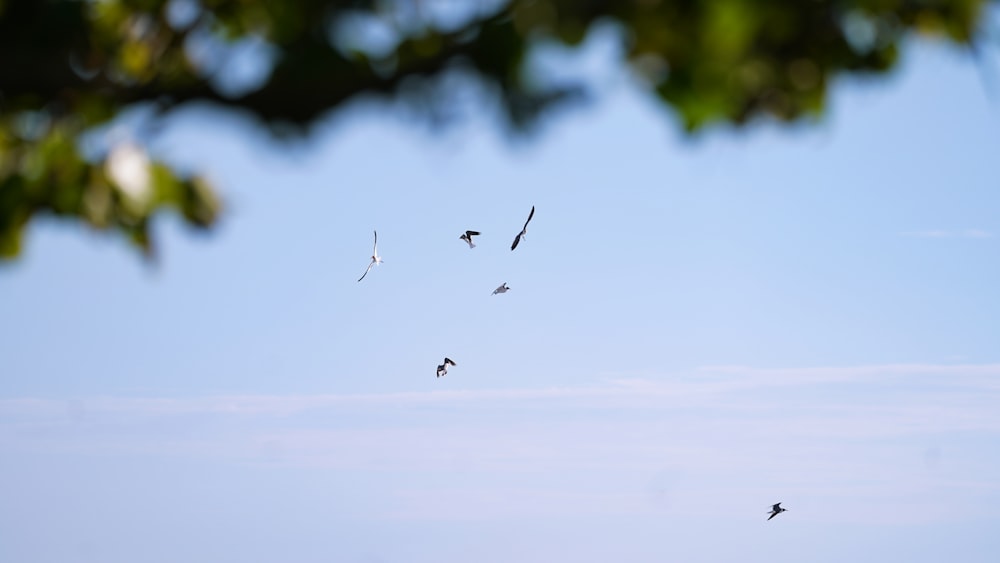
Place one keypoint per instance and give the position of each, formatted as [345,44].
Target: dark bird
[467,237]
[376,259]
[502,289]
[524,229]
[443,368]
[776,510]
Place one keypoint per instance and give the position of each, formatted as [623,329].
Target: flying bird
[524,229]
[376,259]
[502,289]
[467,237]
[776,510]
[443,368]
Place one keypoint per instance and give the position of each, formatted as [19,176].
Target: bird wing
[530,215]
[370,264]
[776,507]
[773,514]
[471,233]
[449,361]
[375,246]
[517,239]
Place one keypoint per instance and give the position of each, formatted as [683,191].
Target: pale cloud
[945,233]
[977,233]
[897,434]
[617,391]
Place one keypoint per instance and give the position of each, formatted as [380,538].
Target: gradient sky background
[696,330]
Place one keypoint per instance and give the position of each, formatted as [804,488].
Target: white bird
[376,259]
[524,229]
[502,289]
[467,237]
[443,368]
[776,510]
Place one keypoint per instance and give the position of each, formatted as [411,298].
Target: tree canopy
[69,67]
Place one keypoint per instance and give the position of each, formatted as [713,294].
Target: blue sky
[697,329]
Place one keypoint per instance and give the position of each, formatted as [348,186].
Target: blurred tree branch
[68,66]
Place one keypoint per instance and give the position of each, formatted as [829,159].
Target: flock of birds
[467,237]
[442,369]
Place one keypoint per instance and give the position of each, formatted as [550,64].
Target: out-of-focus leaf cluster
[68,66]
[733,60]
[42,171]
